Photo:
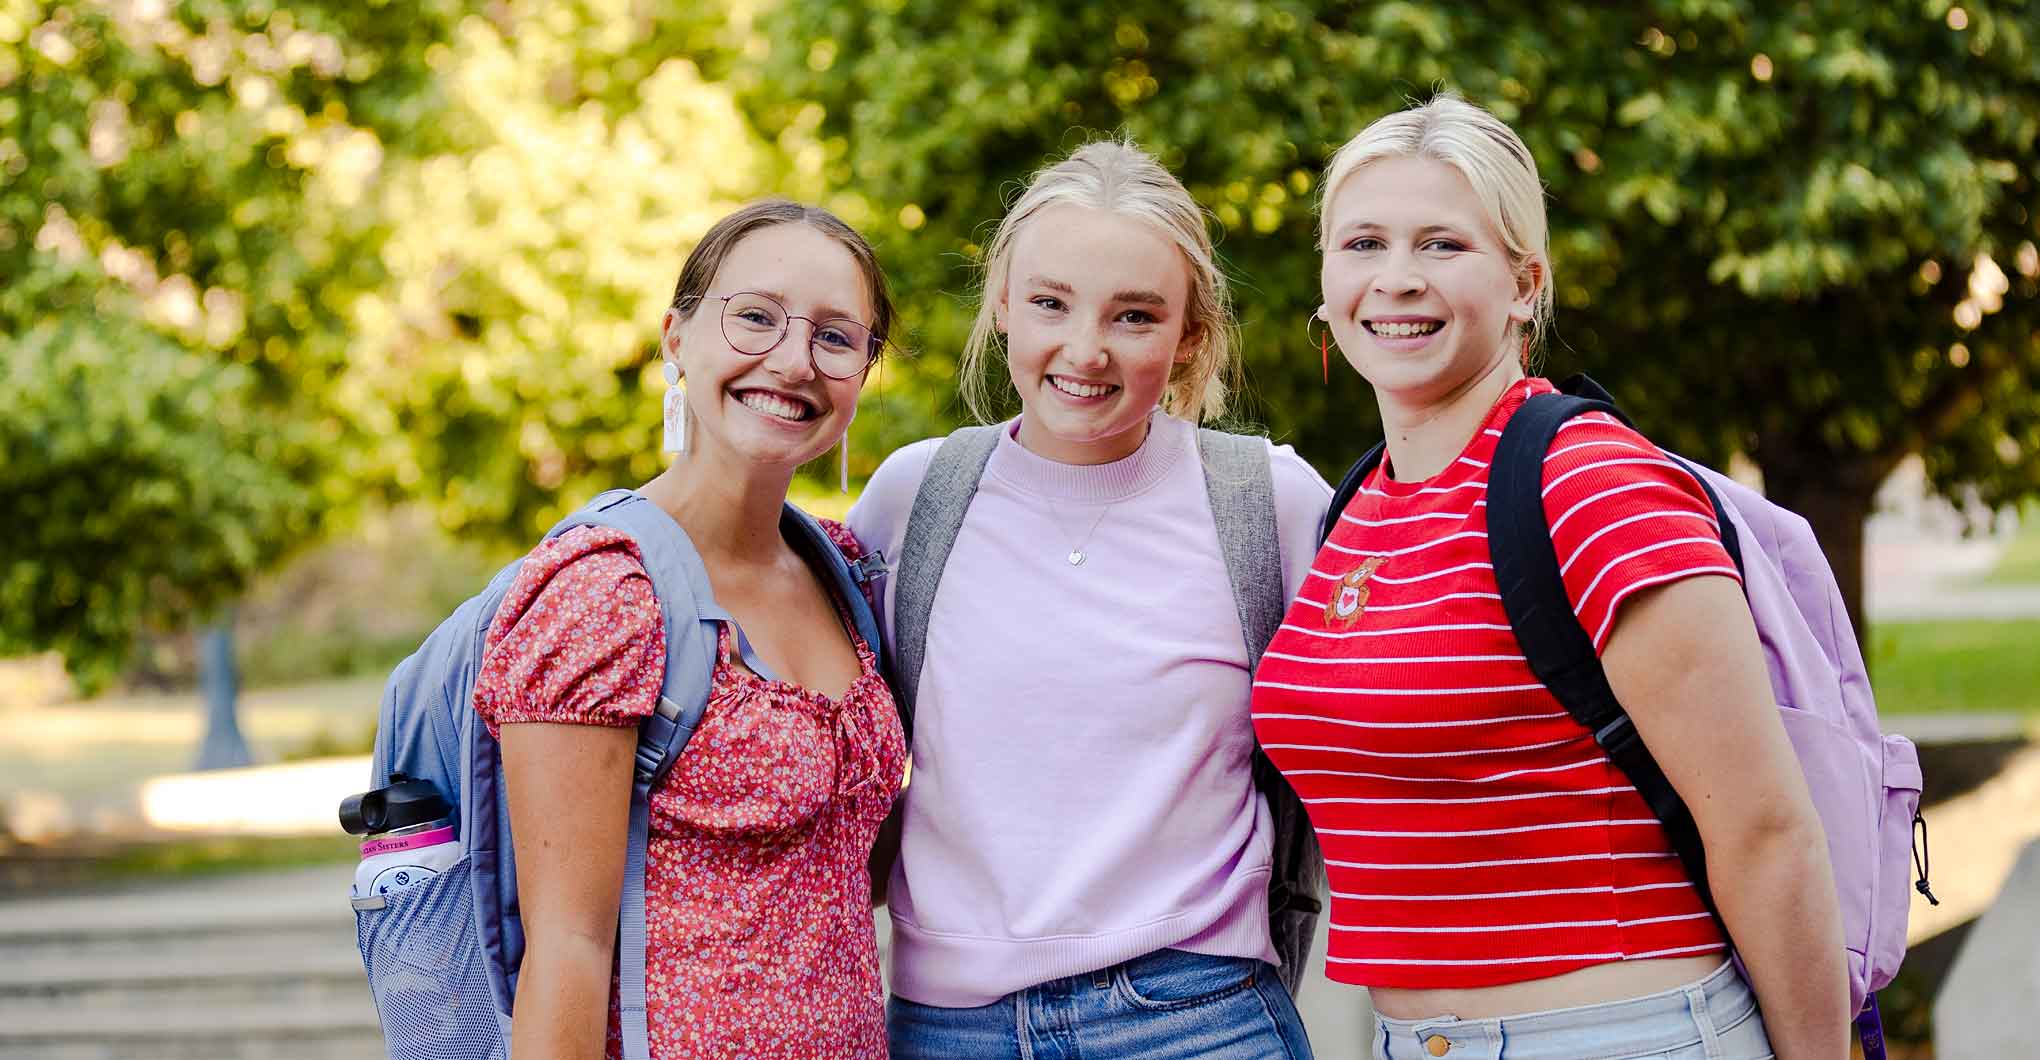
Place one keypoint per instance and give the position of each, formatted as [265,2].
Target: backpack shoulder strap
[939,507]
[1540,613]
[687,605]
[1241,486]
[846,581]
[1348,487]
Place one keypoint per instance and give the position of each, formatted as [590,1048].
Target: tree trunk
[1836,499]
[224,748]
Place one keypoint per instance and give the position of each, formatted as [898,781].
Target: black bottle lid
[404,803]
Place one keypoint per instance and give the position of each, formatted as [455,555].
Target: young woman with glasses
[758,900]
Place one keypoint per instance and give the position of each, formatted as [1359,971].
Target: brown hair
[723,236]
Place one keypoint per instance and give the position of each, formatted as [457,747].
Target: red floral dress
[758,905]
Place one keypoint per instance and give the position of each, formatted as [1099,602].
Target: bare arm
[1685,662]
[569,791]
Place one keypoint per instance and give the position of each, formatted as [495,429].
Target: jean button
[1437,1045]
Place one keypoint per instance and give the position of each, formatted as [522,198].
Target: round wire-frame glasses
[754,324]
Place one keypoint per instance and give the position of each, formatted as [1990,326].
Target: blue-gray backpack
[442,952]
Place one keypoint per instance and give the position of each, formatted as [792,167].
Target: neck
[729,507]
[1423,439]
[1101,451]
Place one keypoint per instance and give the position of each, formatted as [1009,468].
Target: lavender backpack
[1865,784]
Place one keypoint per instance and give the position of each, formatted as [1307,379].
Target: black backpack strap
[1540,612]
[1348,487]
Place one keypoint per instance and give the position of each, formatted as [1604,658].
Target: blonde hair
[1484,150]
[1119,177]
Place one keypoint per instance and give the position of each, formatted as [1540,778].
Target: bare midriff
[1613,981]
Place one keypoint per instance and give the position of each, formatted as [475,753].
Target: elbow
[1775,831]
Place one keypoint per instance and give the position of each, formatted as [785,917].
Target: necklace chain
[1077,556]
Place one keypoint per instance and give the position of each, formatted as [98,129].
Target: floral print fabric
[758,901]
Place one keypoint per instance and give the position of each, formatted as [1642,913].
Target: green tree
[1803,232]
[186,218]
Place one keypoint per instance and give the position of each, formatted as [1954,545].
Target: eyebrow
[822,312]
[1138,296]
[1452,227]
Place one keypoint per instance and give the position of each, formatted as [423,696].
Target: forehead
[1408,193]
[1091,250]
[809,269]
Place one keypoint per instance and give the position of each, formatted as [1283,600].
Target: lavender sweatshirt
[1081,792]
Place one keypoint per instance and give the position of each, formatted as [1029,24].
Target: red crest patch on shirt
[1349,598]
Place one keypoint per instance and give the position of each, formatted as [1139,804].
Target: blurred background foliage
[267,267]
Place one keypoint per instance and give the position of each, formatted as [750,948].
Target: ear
[1192,341]
[670,327]
[1530,281]
[999,310]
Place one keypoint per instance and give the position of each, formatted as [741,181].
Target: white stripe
[1455,753]
[1510,927]
[1462,535]
[1702,915]
[1654,461]
[1549,826]
[1344,691]
[1676,951]
[1419,605]
[1500,960]
[1493,864]
[1476,484]
[1624,443]
[1581,548]
[1327,801]
[1473,930]
[1504,775]
[1391,660]
[1504,894]
[1411,724]
[1569,512]
[1329,635]
[1356,520]
[1645,583]
[1588,593]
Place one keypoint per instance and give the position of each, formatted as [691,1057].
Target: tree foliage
[1803,232]
[186,216]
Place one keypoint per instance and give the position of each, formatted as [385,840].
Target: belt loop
[1102,979]
[1696,1003]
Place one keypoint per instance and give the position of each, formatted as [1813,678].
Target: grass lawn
[1956,665]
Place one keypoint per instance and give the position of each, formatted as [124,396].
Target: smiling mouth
[1402,329]
[779,406]
[1081,390]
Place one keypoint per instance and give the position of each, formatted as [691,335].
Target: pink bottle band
[373,847]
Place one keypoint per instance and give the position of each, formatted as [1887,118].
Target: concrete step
[259,965]
[214,1032]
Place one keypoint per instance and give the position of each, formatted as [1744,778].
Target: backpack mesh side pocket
[425,968]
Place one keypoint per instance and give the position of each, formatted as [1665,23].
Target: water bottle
[407,832]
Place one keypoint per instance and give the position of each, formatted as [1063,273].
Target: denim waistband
[1664,1021]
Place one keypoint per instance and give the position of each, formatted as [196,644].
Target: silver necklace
[1077,555]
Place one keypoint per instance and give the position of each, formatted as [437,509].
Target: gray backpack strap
[939,506]
[1241,484]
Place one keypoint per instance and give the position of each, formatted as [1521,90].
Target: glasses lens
[842,347]
[753,323]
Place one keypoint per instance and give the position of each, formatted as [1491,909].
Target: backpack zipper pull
[1921,859]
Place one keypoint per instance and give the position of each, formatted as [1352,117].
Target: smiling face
[773,410]
[1418,286]
[1094,317]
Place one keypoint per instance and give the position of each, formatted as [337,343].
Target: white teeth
[1403,331]
[1084,390]
[773,405]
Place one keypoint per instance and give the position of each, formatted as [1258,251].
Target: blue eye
[835,339]
[1048,302]
[1449,246]
[1364,243]
[1139,317]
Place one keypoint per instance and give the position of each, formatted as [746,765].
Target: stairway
[225,968]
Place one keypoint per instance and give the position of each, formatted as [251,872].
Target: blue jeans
[1168,1005]
[1713,1019]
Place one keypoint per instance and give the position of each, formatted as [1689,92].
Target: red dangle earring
[1324,345]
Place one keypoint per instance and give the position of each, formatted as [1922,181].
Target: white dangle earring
[675,412]
[843,464]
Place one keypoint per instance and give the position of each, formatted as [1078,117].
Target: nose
[1087,348]
[1400,274]
[793,358]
